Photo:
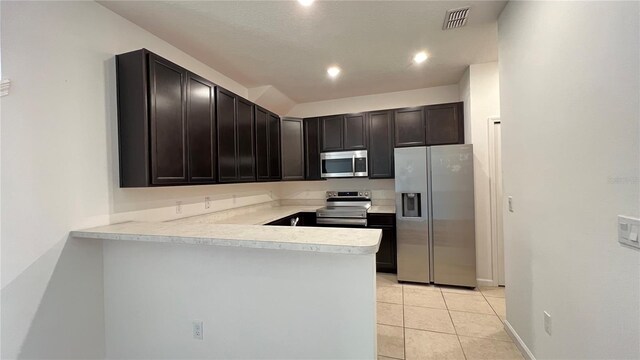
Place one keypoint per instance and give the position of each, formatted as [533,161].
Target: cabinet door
[226,117]
[262,144]
[168,122]
[201,129]
[381,145]
[409,127]
[274,146]
[355,132]
[293,146]
[445,124]
[386,256]
[331,127]
[245,139]
[312,149]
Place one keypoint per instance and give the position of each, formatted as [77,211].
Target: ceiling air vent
[455,18]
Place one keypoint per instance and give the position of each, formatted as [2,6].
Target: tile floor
[432,322]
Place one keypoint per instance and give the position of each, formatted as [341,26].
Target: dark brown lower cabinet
[292,149]
[301,218]
[386,256]
[445,124]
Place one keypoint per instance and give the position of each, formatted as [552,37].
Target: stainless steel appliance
[345,208]
[435,217]
[344,164]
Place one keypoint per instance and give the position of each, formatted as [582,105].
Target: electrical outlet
[628,231]
[207,202]
[510,199]
[547,322]
[178,207]
[197,330]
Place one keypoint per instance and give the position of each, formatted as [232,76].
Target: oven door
[344,164]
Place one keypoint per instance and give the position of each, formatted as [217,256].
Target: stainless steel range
[345,208]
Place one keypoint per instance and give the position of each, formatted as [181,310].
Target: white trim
[492,199]
[485,282]
[518,341]
[4,87]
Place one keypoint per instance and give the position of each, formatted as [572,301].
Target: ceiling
[289,46]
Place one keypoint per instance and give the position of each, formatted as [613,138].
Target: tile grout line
[454,326]
[404,333]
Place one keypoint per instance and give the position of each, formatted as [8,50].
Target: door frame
[495,184]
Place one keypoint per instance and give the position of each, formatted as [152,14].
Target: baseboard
[519,343]
[485,282]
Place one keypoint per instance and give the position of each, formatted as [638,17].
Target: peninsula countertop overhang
[199,230]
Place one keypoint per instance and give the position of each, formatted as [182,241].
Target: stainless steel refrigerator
[435,215]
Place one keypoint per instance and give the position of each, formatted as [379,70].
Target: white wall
[426,96]
[569,83]
[254,303]
[59,170]
[479,89]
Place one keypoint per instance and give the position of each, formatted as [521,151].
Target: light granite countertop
[244,230]
[381,209]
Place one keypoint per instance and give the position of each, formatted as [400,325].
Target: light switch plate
[628,231]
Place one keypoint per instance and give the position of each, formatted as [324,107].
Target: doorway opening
[495,171]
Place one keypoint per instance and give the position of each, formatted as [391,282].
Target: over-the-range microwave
[343,164]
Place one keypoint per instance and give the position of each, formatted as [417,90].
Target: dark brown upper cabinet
[381,145]
[409,127]
[343,132]
[236,157]
[355,131]
[312,149]
[201,130]
[332,128]
[267,145]
[293,149]
[166,123]
[445,124]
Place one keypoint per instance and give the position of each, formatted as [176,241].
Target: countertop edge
[254,244]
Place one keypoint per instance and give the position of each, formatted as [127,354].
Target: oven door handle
[340,221]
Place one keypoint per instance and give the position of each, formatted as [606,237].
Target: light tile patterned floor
[432,322]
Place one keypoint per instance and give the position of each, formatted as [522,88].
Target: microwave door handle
[353,165]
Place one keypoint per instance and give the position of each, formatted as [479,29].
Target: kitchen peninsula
[259,291]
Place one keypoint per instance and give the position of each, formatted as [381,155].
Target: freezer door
[412,230]
[453,215]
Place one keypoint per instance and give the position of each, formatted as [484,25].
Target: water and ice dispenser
[411,205]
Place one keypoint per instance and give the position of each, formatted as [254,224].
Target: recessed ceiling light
[306,2]
[333,71]
[420,57]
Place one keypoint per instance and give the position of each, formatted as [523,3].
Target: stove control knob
[360,193]
[366,193]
